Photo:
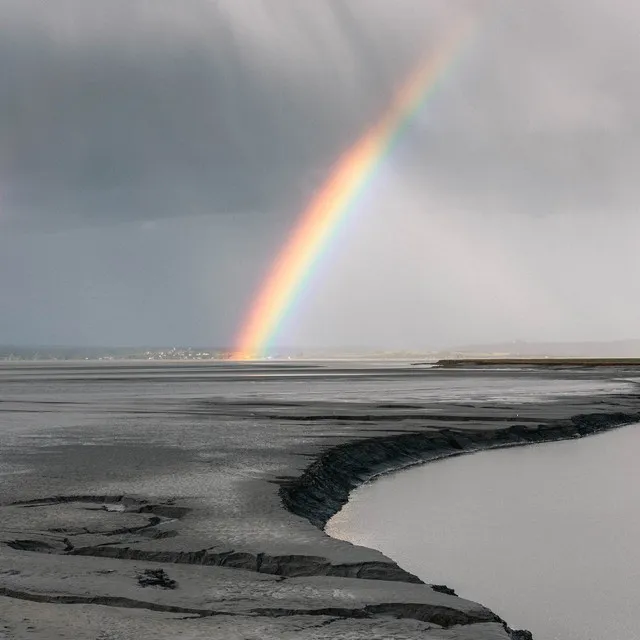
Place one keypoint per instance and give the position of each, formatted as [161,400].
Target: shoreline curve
[324,487]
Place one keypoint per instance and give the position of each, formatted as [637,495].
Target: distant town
[110,354]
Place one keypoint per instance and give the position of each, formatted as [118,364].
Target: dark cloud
[120,110]
[109,113]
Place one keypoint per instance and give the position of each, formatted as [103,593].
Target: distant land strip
[537,362]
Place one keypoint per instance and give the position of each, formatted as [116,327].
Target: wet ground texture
[220,478]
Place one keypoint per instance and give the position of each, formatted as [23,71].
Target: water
[547,535]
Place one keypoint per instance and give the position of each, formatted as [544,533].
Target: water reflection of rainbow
[337,197]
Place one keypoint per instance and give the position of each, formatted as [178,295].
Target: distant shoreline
[535,362]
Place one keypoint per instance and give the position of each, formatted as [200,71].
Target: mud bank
[324,488]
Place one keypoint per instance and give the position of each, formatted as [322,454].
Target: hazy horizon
[515,348]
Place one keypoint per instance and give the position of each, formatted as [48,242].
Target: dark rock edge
[324,487]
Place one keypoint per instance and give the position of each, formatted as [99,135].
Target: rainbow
[333,202]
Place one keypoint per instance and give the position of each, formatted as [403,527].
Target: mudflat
[145,500]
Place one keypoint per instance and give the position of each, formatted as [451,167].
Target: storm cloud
[116,110]
[154,155]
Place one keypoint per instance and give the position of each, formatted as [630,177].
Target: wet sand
[107,474]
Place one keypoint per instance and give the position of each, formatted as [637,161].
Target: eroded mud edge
[324,488]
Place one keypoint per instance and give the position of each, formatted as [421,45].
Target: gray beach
[223,476]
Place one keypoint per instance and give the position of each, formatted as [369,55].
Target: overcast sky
[154,155]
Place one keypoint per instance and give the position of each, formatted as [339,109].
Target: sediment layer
[538,362]
[324,488]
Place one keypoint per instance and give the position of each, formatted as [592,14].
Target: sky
[155,155]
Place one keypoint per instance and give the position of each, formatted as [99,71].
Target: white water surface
[547,536]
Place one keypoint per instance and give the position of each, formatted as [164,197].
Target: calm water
[547,536]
